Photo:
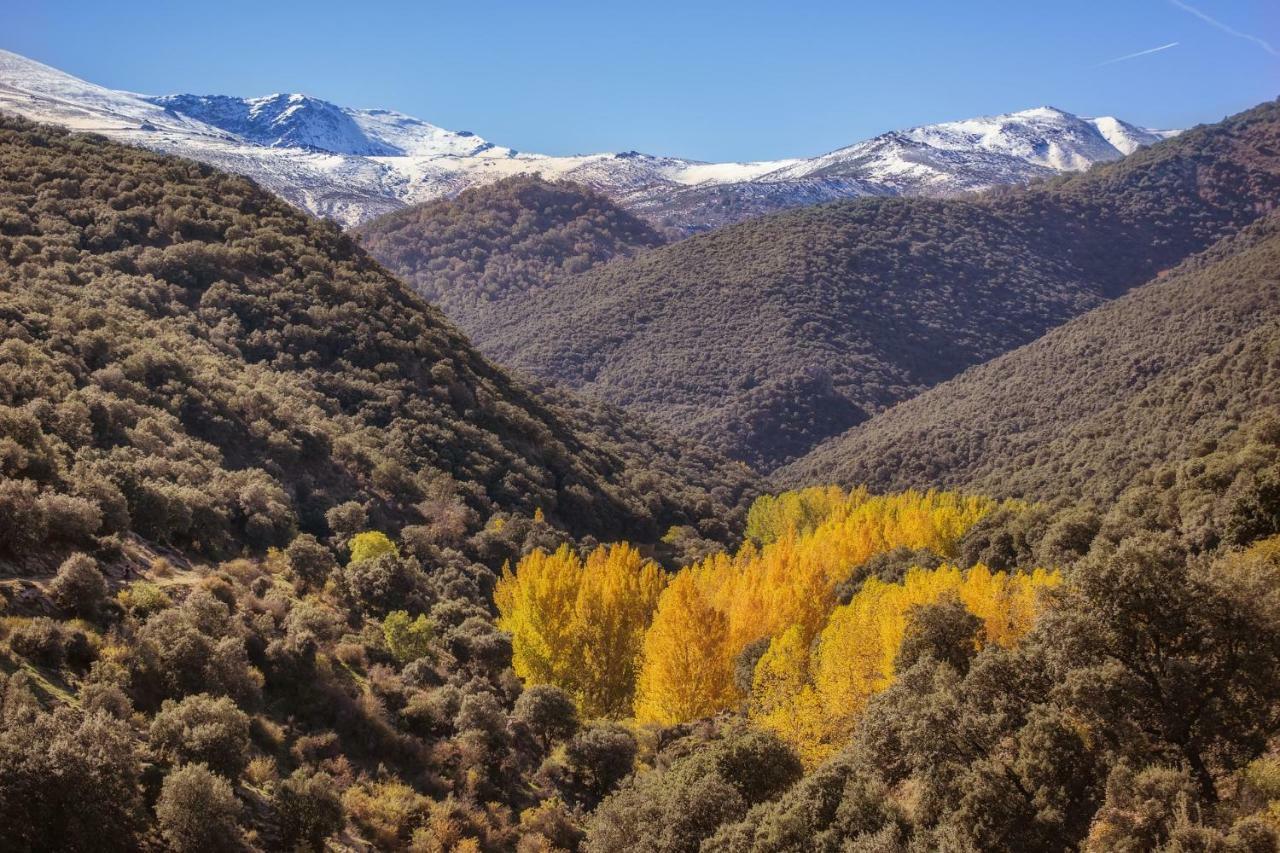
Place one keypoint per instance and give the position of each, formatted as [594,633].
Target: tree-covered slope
[513,237]
[1166,372]
[186,357]
[769,336]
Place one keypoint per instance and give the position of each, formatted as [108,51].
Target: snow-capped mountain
[354,164]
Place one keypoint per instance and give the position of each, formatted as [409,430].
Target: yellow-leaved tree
[773,516]
[783,699]
[581,626]
[686,671]
[615,604]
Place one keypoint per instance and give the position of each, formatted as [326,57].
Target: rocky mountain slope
[352,165]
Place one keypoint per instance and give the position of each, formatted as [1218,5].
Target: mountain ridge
[1166,372]
[354,165]
[870,301]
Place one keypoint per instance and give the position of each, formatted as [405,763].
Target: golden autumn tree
[773,516]
[536,606]
[580,626]
[614,606]
[686,671]
[782,698]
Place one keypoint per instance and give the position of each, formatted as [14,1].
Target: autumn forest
[988,562]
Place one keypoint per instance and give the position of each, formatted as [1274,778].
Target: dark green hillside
[1168,372]
[877,299]
[512,237]
[186,357]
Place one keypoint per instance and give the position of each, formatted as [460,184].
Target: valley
[366,485]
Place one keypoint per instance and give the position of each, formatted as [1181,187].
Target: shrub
[408,639]
[22,518]
[549,826]
[40,640]
[371,544]
[69,518]
[375,586]
[79,586]
[197,811]
[101,696]
[203,729]
[143,598]
[598,759]
[481,712]
[346,520]
[308,810]
[387,811]
[311,562]
[69,782]
[549,713]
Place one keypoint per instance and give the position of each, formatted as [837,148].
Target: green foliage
[190,359]
[79,586]
[408,639]
[310,561]
[50,643]
[308,809]
[549,712]
[945,631]
[678,806]
[202,729]
[1167,373]
[376,585]
[197,810]
[597,759]
[68,782]
[143,598]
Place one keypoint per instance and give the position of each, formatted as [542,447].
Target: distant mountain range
[352,165]
[768,337]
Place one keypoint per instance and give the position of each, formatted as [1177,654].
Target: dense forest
[285,564]
[769,336]
[517,236]
[1166,372]
[188,358]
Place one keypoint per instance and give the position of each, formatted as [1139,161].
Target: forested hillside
[515,237]
[1169,371]
[286,565]
[189,359]
[769,336]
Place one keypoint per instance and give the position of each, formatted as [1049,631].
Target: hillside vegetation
[515,237]
[189,359]
[286,565]
[1169,371]
[767,337]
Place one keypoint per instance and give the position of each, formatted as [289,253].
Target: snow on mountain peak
[293,120]
[354,164]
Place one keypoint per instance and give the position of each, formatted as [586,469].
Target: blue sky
[700,78]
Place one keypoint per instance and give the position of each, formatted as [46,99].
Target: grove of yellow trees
[614,633]
[580,625]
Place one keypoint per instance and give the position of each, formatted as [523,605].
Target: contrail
[1231,31]
[1139,53]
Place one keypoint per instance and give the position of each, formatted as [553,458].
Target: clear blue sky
[699,78]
